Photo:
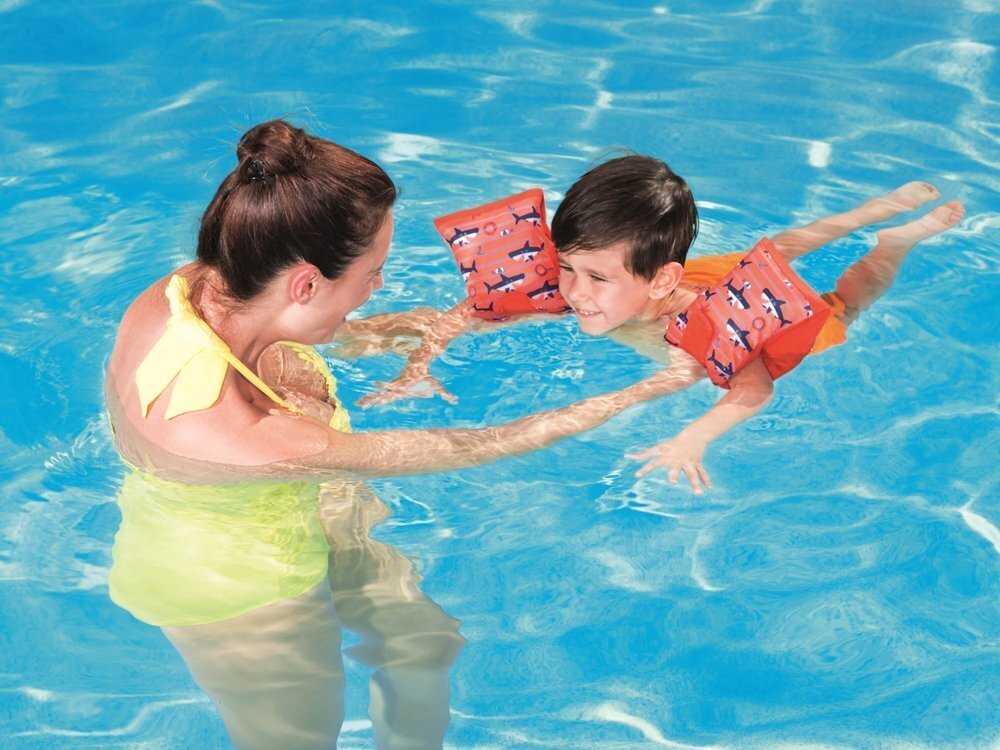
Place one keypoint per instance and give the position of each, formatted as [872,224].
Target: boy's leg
[865,281]
[794,243]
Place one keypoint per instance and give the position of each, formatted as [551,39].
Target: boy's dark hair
[293,197]
[636,199]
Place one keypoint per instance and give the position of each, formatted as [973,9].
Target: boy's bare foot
[866,281]
[794,243]
[941,219]
[908,197]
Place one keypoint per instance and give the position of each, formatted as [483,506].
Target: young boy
[622,234]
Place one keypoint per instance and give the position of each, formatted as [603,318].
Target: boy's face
[601,291]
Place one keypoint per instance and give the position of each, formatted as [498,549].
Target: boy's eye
[597,278]
[564,267]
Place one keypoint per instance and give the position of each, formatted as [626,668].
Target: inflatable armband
[760,309]
[505,254]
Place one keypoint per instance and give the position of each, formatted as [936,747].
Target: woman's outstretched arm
[391,453]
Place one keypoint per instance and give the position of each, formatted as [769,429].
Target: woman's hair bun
[272,149]
[292,198]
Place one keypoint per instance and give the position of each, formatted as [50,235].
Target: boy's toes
[945,216]
[942,218]
[956,212]
[913,195]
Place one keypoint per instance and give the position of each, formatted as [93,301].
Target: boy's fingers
[376,399]
[642,456]
[646,469]
[674,475]
[704,476]
[692,475]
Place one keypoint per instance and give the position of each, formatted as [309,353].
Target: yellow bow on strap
[190,351]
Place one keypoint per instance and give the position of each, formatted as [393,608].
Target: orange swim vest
[505,254]
[761,308]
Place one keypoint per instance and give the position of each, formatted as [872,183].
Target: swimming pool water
[838,588]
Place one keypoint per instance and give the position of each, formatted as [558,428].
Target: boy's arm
[436,340]
[750,391]
[384,332]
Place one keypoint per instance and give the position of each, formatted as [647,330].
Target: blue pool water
[839,587]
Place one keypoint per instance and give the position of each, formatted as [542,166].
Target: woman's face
[335,299]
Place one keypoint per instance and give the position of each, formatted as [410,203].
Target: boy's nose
[569,294]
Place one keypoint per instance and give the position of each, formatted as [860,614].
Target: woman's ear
[302,283]
[666,280]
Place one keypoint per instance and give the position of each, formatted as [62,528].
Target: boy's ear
[665,280]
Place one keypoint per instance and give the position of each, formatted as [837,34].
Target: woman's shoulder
[146,317]
[239,429]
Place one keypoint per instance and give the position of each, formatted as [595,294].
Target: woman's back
[238,429]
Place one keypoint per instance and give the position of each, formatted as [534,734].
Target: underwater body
[839,584]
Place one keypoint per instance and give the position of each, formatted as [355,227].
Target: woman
[210,385]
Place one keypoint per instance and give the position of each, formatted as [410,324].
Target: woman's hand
[682,453]
[403,387]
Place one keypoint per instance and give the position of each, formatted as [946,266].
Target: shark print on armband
[463,236]
[533,216]
[526,252]
[467,271]
[545,291]
[506,283]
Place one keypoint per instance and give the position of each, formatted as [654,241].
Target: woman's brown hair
[292,198]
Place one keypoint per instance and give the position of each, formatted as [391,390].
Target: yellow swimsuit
[189,554]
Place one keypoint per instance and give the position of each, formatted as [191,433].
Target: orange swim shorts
[708,270]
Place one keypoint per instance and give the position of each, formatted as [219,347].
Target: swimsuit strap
[192,354]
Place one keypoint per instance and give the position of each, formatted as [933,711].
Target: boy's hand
[403,387]
[679,454]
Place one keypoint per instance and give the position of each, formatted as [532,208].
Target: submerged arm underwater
[750,391]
